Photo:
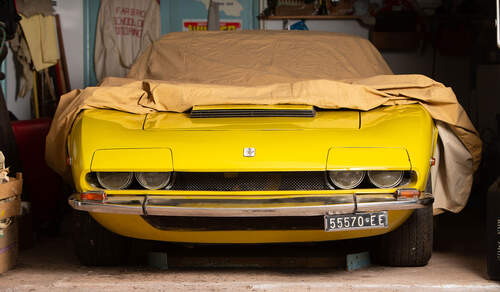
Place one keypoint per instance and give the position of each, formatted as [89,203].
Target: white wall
[71,15]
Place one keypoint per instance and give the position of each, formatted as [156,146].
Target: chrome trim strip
[244,207]
[251,212]
[132,205]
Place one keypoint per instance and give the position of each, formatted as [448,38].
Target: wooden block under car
[10,207]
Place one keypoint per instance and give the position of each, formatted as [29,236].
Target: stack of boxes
[10,207]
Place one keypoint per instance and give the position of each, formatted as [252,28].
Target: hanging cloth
[125,28]
[40,33]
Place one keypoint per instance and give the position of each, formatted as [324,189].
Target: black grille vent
[240,223]
[250,181]
[242,113]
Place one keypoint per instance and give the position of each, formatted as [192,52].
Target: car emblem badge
[249,152]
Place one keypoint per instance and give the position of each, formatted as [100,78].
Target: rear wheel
[411,244]
[95,245]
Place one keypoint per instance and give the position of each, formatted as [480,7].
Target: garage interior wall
[78,18]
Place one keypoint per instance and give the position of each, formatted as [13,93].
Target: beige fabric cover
[258,58]
[451,177]
[326,70]
[41,36]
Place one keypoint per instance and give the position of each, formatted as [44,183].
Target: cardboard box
[8,246]
[12,188]
[10,197]
[10,207]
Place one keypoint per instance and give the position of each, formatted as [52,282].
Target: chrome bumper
[240,206]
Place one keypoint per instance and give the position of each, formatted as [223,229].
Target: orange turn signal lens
[93,196]
[408,193]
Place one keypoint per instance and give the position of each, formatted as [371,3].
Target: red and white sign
[201,24]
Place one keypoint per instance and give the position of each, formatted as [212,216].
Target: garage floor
[458,264]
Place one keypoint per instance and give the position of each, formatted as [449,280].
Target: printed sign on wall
[229,7]
[201,24]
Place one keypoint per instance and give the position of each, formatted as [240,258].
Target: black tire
[411,244]
[95,245]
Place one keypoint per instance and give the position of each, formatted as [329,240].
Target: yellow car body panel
[354,158]
[253,106]
[140,160]
[135,226]
[390,138]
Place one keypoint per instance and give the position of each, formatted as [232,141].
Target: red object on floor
[42,186]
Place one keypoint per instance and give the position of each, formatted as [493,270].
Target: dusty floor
[458,264]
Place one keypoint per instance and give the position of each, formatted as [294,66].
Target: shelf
[312,17]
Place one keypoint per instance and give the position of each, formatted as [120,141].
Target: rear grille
[250,181]
[240,113]
[239,223]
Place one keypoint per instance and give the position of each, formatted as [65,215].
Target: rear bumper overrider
[241,206]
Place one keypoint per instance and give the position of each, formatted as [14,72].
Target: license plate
[356,221]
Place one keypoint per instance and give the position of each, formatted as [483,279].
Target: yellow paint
[281,143]
[249,194]
[161,122]
[357,159]
[135,226]
[254,106]
[159,159]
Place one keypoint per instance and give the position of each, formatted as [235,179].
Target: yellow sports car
[242,173]
[254,174]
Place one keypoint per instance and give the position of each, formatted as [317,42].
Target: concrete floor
[458,264]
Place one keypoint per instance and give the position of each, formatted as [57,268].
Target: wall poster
[201,24]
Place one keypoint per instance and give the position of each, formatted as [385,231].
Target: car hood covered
[323,120]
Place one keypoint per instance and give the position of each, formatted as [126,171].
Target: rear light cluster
[123,180]
[384,179]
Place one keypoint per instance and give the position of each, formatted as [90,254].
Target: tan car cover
[327,70]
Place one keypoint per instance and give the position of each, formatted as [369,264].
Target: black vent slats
[242,113]
[239,223]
